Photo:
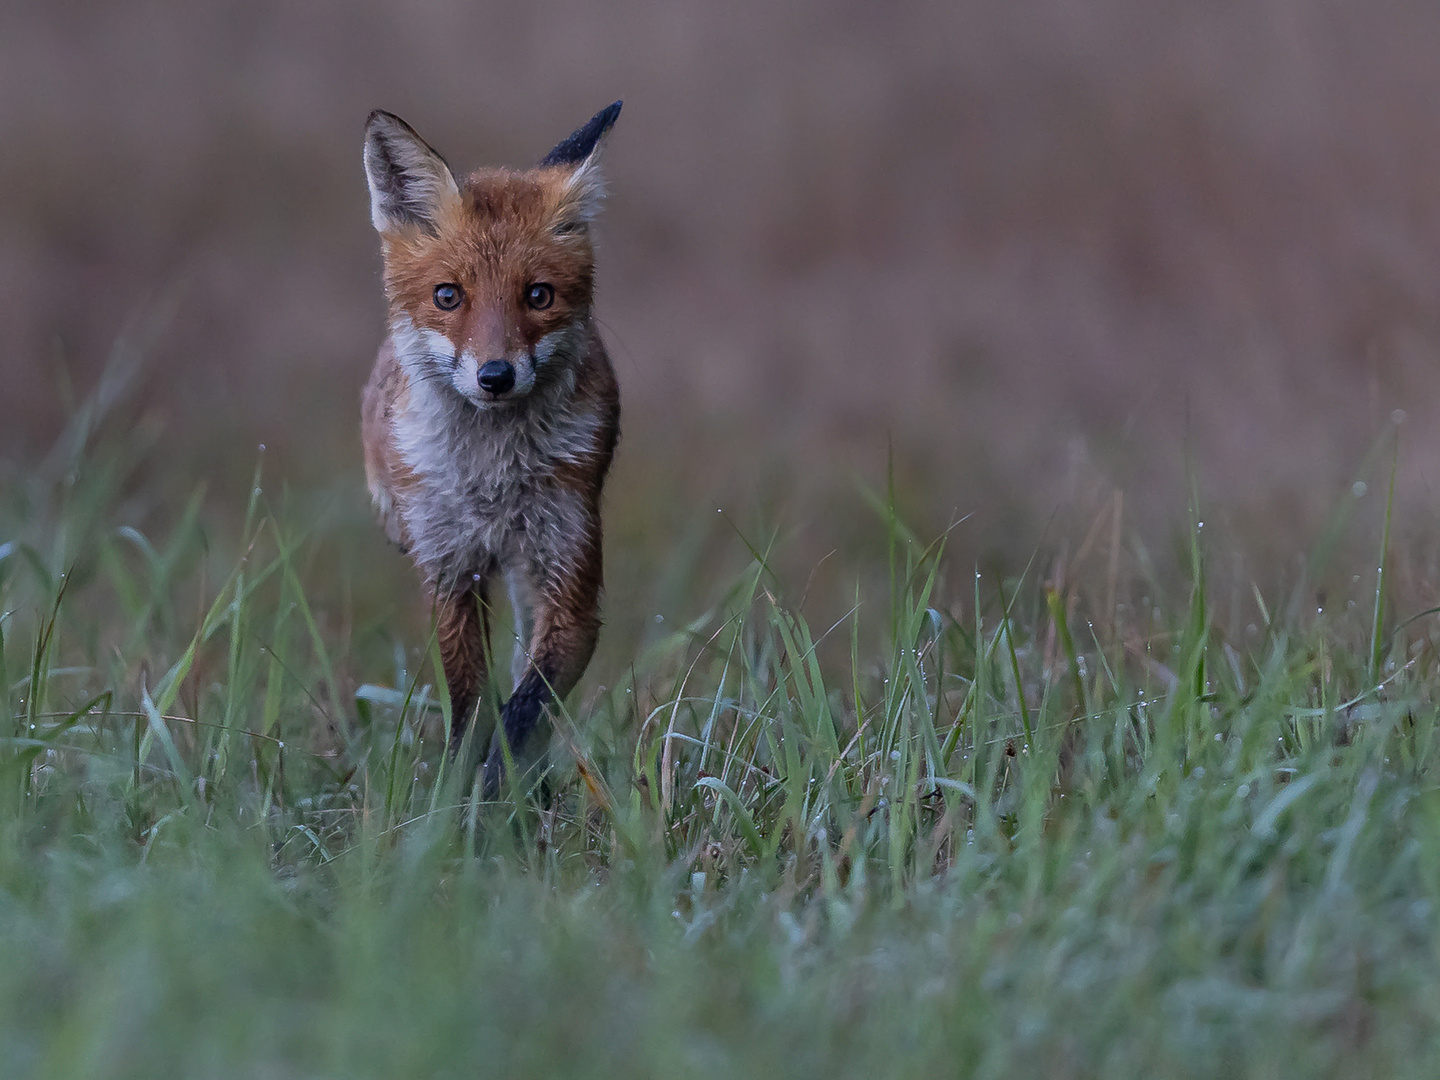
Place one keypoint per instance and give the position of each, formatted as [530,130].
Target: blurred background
[1028,255]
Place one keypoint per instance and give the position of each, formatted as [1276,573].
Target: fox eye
[448,296]
[540,295]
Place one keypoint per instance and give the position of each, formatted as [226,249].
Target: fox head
[490,279]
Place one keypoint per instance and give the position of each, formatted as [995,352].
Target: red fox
[491,415]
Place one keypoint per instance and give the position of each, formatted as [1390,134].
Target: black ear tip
[605,119]
[581,144]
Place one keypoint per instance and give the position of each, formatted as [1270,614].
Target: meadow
[1015,664]
[1022,823]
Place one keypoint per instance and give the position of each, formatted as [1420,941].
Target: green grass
[977,827]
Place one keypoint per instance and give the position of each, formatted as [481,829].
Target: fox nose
[496,376]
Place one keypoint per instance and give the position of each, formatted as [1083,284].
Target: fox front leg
[566,624]
[462,631]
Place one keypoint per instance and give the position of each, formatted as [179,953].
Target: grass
[968,829]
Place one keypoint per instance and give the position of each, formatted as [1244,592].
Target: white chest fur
[486,496]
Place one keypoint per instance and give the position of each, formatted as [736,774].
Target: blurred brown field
[1033,254]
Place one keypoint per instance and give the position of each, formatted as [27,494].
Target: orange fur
[477,478]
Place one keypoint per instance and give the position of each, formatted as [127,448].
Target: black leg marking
[519,721]
[522,711]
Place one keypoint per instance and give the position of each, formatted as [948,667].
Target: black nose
[496,376]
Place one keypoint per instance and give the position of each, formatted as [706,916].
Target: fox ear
[410,184]
[584,187]
[580,144]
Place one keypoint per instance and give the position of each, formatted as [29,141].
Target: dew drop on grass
[1358,488]
[262,447]
[1397,417]
[659,618]
[474,577]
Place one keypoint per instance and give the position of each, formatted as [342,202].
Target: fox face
[490,280]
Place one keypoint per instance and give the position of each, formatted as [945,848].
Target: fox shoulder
[387,477]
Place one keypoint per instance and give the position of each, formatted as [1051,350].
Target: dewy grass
[230,844]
